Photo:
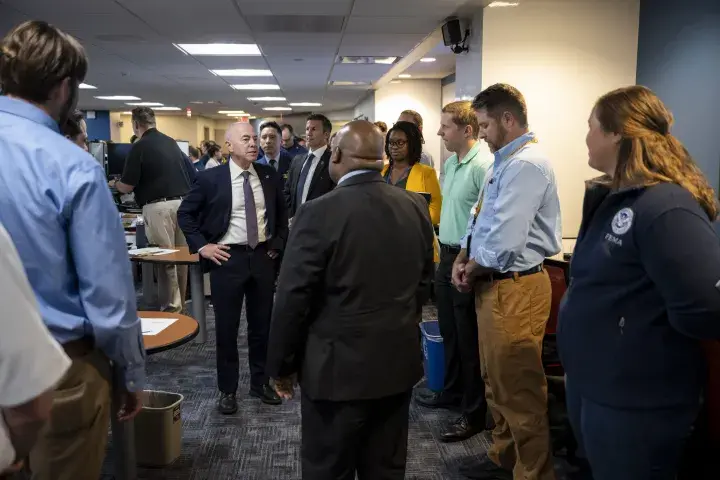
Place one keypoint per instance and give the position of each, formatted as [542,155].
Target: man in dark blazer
[235,218]
[355,277]
[309,177]
[274,155]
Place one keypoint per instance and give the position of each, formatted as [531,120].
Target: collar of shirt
[472,153]
[319,152]
[505,152]
[24,109]
[236,171]
[276,158]
[354,173]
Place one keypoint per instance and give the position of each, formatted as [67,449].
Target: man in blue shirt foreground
[512,229]
[56,206]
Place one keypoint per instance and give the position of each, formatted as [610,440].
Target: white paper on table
[151,251]
[153,326]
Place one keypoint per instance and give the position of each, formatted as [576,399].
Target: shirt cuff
[486,258]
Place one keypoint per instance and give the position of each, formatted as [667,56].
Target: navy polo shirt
[642,293]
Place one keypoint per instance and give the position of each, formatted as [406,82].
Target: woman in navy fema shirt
[643,293]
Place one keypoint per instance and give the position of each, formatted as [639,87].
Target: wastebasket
[434,355]
[158,429]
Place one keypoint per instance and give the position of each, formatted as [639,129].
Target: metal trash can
[158,429]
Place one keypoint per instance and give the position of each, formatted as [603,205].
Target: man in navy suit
[276,157]
[309,177]
[235,218]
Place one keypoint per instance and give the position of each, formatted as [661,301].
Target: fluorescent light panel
[167,109]
[267,99]
[503,4]
[305,104]
[145,104]
[87,86]
[242,72]
[256,86]
[277,109]
[367,60]
[343,83]
[218,49]
[404,75]
[427,59]
[232,112]
[126,98]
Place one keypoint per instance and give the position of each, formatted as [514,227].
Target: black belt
[453,249]
[164,199]
[529,271]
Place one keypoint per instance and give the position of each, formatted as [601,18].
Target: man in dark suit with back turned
[235,218]
[308,177]
[355,277]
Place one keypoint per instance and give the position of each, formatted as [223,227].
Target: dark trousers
[458,327]
[248,275]
[625,444]
[367,437]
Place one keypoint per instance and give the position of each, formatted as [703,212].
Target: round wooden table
[197,290]
[179,333]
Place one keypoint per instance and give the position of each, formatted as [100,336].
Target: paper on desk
[153,326]
[150,251]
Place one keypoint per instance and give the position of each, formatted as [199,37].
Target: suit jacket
[204,214]
[320,184]
[348,303]
[283,165]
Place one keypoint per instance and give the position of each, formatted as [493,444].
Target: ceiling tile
[356,44]
[294,8]
[391,25]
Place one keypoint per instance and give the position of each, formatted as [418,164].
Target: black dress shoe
[483,469]
[428,398]
[227,405]
[460,430]
[266,394]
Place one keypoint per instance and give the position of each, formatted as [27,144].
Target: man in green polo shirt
[465,173]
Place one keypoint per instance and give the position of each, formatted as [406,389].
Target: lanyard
[478,205]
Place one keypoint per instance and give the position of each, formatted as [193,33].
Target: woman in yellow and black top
[403,147]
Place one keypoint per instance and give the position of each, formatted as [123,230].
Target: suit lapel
[320,169]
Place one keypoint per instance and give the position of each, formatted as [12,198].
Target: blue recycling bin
[434,355]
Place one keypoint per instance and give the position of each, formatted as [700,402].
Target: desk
[177,334]
[197,291]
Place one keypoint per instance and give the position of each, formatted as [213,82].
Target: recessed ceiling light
[404,75]
[232,112]
[342,83]
[87,86]
[368,60]
[126,98]
[197,103]
[503,4]
[267,99]
[167,109]
[427,59]
[277,109]
[242,72]
[396,81]
[126,113]
[305,104]
[256,86]
[229,49]
[144,104]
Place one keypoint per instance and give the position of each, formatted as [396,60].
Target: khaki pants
[72,444]
[161,228]
[511,316]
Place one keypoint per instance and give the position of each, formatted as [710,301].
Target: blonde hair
[649,153]
[463,115]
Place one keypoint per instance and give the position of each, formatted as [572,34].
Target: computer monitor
[116,155]
[97,150]
[184,146]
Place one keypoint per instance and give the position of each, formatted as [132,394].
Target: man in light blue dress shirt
[512,229]
[55,204]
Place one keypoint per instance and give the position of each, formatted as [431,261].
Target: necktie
[273,163]
[301,181]
[250,212]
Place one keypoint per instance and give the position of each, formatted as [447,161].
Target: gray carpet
[262,442]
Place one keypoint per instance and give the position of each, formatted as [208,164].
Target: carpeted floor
[262,442]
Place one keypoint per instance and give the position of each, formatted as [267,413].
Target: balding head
[242,143]
[358,145]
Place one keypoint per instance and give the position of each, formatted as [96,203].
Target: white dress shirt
[31,361]
[318,155]
[276,159]
[237,230]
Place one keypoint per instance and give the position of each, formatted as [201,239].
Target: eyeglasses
[397,143]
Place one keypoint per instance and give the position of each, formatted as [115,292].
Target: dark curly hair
[213,149]
[414,138]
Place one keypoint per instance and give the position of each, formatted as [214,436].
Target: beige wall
[423,96]
[448,96]
[562,56]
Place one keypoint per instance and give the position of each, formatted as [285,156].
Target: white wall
[448,96]
[423,96]
[562,55]
[366,107]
